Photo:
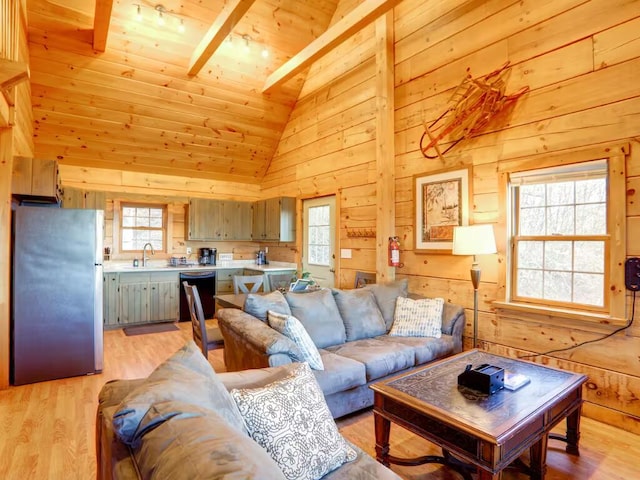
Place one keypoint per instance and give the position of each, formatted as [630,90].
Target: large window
[141,224]
[560,236]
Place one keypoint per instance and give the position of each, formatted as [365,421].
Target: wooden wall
[15,139]
[581,61]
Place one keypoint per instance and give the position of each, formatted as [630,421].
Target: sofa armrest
[453,323]
[251,343]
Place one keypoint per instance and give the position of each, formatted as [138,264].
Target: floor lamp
[474,240]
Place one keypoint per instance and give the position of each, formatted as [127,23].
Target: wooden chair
[364,278]
[206,333]
[247,283]
[281,281]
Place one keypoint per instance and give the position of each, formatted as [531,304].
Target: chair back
[247,283]
[364,278]
[281,281]
[198,325]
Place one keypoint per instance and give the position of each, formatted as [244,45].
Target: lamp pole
[475,280]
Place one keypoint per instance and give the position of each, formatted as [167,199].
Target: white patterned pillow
[290,326]
[290,419]
[418,318]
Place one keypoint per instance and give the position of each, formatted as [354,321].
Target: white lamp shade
[474,240]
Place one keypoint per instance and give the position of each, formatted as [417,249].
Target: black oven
[206,284]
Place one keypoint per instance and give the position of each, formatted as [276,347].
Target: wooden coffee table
[477,431]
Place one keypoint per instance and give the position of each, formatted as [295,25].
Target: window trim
[129,204]
[615,292]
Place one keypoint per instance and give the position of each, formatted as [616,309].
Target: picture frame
[441,202]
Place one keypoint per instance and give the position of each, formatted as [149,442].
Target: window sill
[541,313]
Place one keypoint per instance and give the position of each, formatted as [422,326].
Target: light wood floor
[47,429]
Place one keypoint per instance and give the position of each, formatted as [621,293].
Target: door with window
[318,239]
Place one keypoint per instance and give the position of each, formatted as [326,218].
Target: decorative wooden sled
[472,106]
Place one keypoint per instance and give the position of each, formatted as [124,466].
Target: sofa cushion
[417,318]
[319,314]
[379,358]
[259,304]
[426,349]
[291,327]
[290,419]
[386,295]
[181,441]
[186,376]
[340,373]
[360,313]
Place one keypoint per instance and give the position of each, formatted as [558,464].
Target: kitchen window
[141,224]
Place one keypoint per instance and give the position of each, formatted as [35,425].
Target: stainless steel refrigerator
[56,293]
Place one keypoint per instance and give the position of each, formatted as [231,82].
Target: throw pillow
[319,314]
[418,318]
[290,419]
[259,305]
[291,327]
[360,313]
[185,377]
[386,295]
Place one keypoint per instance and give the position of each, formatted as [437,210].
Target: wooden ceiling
[135,106]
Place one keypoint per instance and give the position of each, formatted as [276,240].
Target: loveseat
[352,330]
[182,423]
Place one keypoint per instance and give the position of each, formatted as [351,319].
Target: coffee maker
[207,256]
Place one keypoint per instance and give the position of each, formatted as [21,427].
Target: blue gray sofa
[181,423]
[354,353]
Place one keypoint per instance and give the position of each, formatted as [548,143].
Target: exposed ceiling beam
[216,34]
[360,17]
[101,21]
[12,73]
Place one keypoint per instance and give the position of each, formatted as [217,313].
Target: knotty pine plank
[617,44]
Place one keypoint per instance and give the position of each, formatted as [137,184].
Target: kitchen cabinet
[111,300]
[274,220]
[224,279]
[219,220]
[143,297]
[35,177]
[237,220]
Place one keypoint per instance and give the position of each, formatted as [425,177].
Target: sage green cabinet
[111,300]
[219,220]
[237,220]
[140,297]
[224,279]
[205,220]
[274,220]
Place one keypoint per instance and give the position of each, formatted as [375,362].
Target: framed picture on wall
[441,202]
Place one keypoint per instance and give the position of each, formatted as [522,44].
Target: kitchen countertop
[163,266]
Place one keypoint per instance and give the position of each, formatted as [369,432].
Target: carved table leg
[538,453]
[382,428]
[573,432]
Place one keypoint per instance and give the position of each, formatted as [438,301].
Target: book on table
[514,381]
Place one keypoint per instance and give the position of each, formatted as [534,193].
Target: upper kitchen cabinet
[274,220]
[237,220]
[217,220]
[34,177]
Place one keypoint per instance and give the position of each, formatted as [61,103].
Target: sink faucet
[144,253]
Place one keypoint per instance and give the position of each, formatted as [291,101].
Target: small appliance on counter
[261,258]
[207,256]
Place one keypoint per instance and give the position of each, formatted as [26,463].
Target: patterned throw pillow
[291,327]
[290,419]
[418,318]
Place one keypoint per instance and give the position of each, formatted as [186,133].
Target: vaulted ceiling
[134,106]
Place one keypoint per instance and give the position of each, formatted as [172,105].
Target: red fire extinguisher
[394,252]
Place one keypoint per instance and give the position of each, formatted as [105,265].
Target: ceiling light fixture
[161,16]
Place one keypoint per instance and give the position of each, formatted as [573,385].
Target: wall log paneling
[581,61]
